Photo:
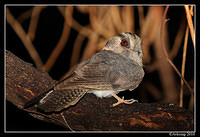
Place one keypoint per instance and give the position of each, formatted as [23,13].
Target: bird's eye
[124,43]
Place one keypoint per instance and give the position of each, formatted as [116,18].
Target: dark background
[48,33]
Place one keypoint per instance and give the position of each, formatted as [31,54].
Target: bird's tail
[56,100]
[36,99]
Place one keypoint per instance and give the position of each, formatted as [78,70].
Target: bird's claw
[121,100]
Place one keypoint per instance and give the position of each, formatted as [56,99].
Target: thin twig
[24,16]
[75,25]
[190,23]
[115,15]
[76,50]
[62,42]
[99,23]
[153,90]
[24,38]
[178,40]
[164,20]
[65,121]
[149,31]
[34,21]
[141,15]
[91,47]
[46,116]
[128,19]
[183,66]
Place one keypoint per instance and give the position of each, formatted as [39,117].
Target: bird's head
[127,45]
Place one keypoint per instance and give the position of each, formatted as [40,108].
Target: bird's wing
[96,75]
[103,72]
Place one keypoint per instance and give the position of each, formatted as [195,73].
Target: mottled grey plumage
[117,67]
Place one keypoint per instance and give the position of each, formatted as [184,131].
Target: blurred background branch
[189,13]
[62,42]
[24,38]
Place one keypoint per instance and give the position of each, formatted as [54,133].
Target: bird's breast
[103,93]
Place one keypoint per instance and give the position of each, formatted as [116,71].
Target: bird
[115,68]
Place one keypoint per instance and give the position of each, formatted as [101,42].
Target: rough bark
[23,82]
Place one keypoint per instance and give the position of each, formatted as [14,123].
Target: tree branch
[23,82]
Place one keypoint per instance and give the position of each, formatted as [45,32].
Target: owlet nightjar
[117,67]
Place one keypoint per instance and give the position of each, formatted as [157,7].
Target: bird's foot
[121,100]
